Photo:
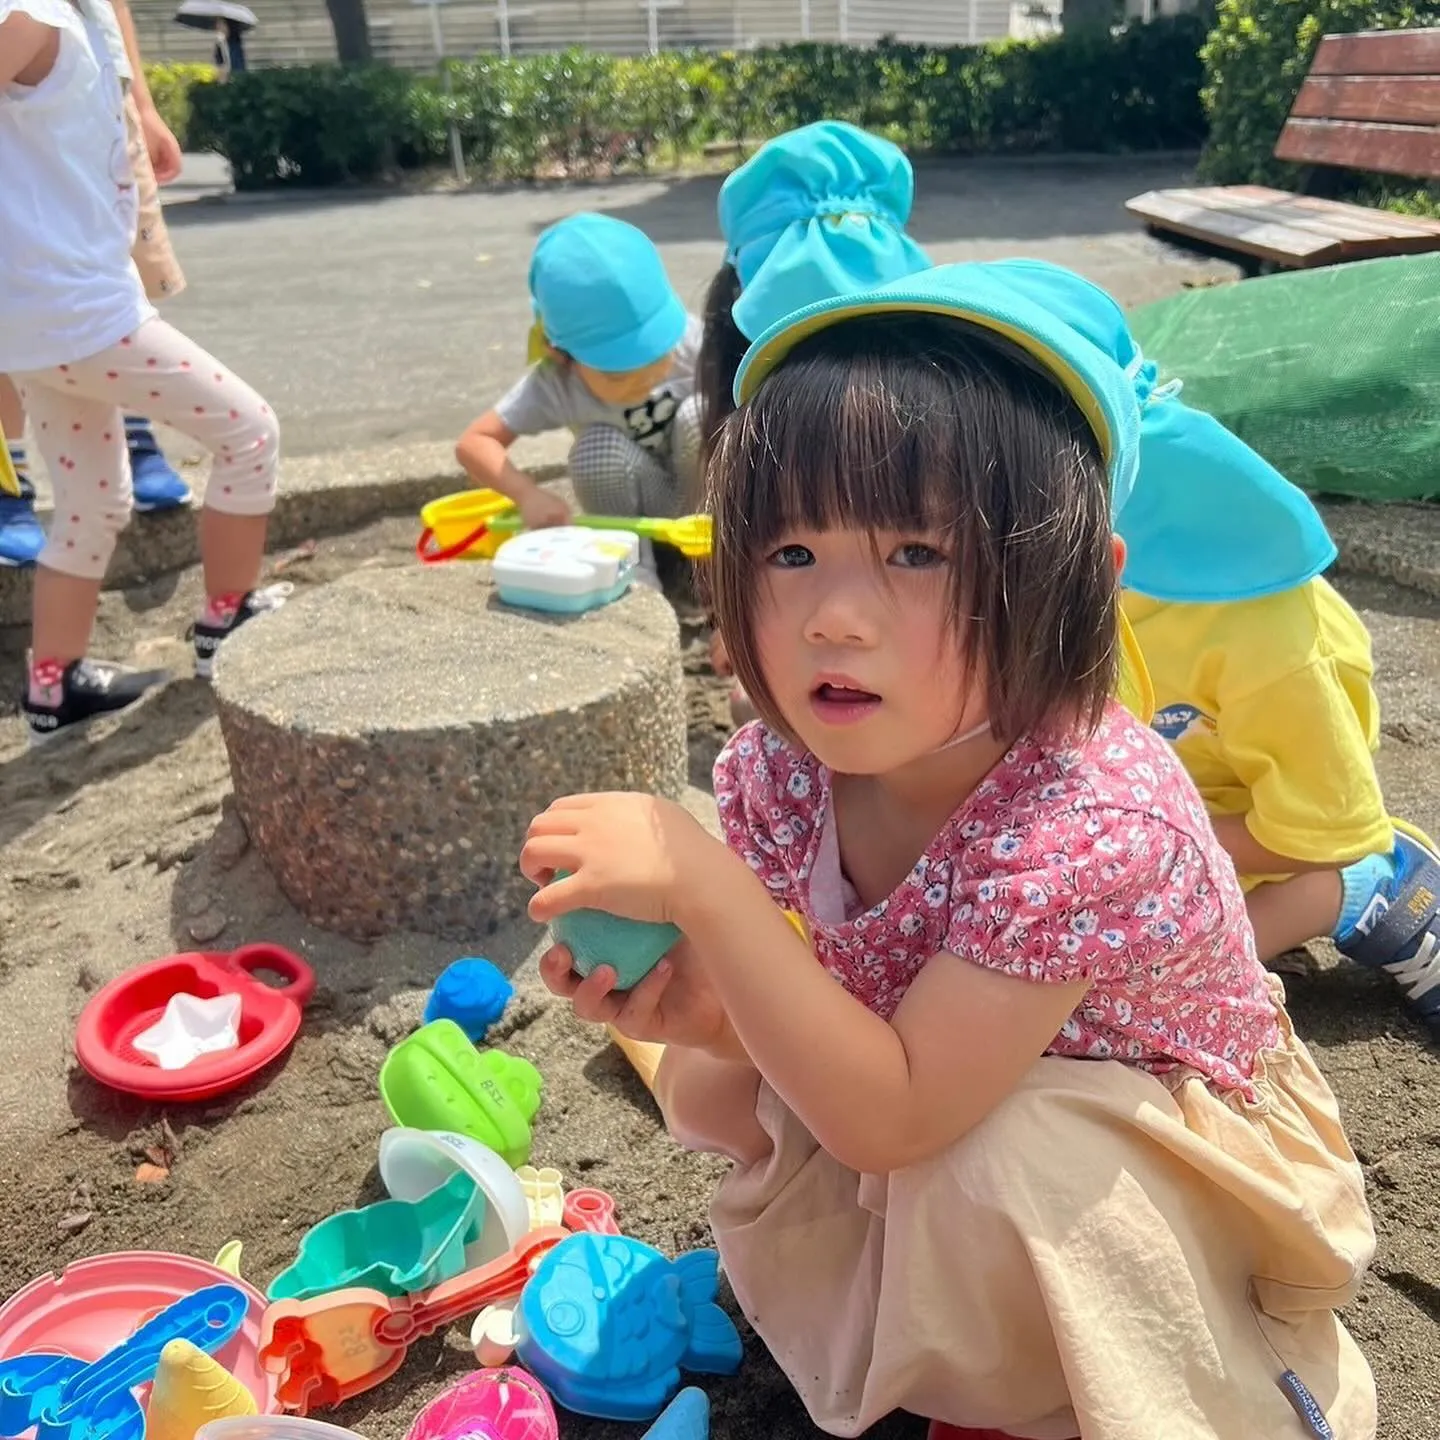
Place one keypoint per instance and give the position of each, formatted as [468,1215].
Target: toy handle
[467,1294]
[636,525]
[298,976]
[593,1210]
[643,1055]
[687,533]
[431,554]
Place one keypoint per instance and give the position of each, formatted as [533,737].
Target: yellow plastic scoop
[689,534]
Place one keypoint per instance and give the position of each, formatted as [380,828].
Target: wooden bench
[1370,102]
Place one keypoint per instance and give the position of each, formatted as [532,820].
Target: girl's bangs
[835,442]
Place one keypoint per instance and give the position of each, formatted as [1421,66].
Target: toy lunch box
[566,570]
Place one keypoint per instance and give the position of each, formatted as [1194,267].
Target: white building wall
[293,31]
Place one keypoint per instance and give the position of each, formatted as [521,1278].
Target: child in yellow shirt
[1262,680]
[1268,703]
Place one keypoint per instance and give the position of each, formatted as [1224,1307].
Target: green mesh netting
[1333,375]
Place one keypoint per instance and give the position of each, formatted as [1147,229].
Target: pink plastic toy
[507,1404]
[591,1210]
[95,1304]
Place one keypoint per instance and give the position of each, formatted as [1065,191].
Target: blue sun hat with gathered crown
[817,212]
[1209,520]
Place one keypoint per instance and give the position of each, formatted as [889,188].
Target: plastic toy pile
[564,1309]
[567,569]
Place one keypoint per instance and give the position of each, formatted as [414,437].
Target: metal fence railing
[297,31]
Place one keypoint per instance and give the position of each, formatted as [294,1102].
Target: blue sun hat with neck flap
[1209,519]
[979,293]
[817,212]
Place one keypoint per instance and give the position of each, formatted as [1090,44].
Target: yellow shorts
[1249,882]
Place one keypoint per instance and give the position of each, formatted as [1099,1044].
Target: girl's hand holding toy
[636,857]
[675,1004]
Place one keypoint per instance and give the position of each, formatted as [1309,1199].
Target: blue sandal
[1400,933]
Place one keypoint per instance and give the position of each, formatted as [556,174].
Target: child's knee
[265,432]
[688,423]
[710,1105]
[1027,1145]
[685,447]
[270,430]
[600,449]
[603,469]
[244,475]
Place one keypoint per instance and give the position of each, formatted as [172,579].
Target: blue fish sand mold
[607,1324]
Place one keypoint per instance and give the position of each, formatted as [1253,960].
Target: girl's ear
[1117,548]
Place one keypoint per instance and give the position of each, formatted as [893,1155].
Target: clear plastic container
[273,1427]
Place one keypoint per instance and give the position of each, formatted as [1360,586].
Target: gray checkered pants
[612,475]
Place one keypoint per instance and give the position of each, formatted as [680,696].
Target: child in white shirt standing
[84,346]
[156,159]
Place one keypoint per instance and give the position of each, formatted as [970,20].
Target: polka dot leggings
[77,413]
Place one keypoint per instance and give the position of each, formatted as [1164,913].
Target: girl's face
[854,638]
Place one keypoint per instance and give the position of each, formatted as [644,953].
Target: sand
[122,846]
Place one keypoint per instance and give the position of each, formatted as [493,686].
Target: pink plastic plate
[95,1304]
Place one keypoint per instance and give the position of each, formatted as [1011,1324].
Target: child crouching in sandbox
[613,354]
[1033,1148]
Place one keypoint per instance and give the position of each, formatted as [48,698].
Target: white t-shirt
[68,210]
[551,396]
[101,13]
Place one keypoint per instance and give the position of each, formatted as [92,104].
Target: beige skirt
[1107,1255]
[154,256]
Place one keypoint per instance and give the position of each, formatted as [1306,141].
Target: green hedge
[578,112]
[171,86]
[1255,59]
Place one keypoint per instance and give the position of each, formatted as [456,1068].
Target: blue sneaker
[21,538]
[156,482]
[1399,931]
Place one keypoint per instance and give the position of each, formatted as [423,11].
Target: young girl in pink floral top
[1032,1148]
[1085,864]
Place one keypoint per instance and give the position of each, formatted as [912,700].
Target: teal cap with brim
[979,294]
[1209,520]
[600,293]
[818,211]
